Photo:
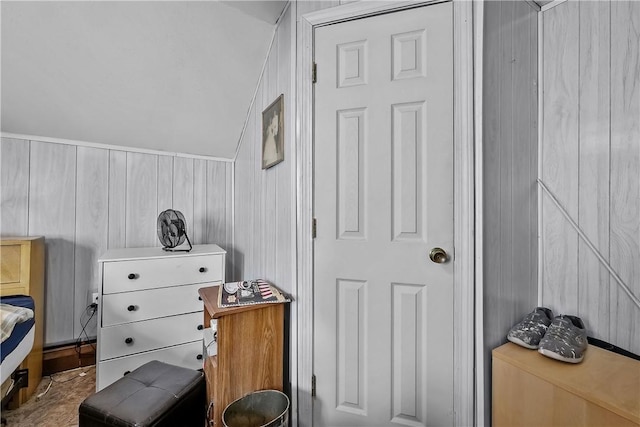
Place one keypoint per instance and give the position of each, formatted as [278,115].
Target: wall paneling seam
[611,324]
[479,407]
[75,236]
[29,188]
[540,145]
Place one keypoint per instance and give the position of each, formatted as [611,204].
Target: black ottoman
[156,394]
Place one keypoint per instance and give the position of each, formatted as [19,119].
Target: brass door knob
[438,255]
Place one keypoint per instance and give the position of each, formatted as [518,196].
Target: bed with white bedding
[22,281]
[17,332]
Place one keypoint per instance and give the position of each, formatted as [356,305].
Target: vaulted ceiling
[164,75]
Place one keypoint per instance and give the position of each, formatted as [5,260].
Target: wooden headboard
[22,273]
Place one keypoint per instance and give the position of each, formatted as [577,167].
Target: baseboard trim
[67,357]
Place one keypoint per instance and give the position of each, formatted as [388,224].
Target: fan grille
[172,228]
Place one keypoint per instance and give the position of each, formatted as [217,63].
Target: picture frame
[273,133]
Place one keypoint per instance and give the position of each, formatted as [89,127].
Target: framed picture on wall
[273,133]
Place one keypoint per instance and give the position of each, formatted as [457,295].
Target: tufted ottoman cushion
[156,394]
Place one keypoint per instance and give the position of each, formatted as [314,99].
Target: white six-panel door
[383,198]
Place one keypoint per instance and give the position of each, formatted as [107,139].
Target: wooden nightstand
[250,351]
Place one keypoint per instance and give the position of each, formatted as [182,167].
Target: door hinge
[314,228]
[314,73]
[313,385]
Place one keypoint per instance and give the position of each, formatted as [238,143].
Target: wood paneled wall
[265,202]
[510,168]
[591,162]
[85,200]
[264,199]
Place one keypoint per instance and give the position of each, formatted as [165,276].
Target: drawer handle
[132,276]
[200,327]
[128,340]
[199,357]
[202,269]
[126,373]
[131,308]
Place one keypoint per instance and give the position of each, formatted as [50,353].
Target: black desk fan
[172,230]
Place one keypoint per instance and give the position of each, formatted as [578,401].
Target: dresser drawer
[186,355]
[150,304]
[130,338]
[134,275]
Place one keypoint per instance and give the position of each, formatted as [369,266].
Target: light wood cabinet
[532,390]
[250,353]
[150,309]
[22,273]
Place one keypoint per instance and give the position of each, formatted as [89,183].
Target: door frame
[464,200]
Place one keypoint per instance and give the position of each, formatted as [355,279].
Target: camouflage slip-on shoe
[565,340]
[530,330]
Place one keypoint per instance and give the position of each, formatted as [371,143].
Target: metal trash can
[265,408]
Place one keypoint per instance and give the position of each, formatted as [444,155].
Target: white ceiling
[173,76]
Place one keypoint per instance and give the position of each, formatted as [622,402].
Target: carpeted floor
[59,406]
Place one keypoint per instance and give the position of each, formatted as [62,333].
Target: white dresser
[149,307]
